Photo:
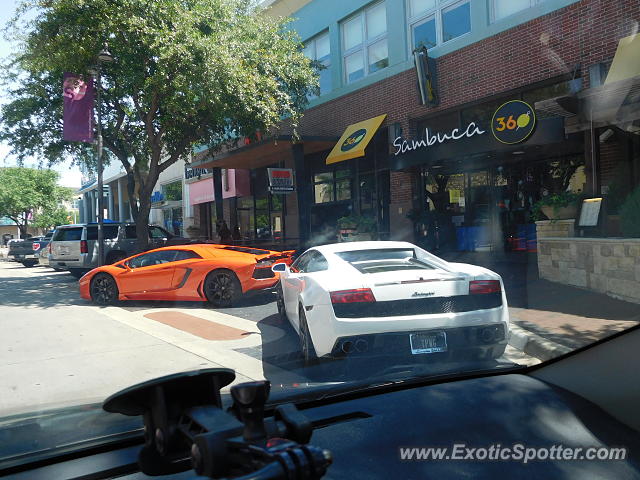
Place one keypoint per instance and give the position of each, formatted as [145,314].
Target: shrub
[630,215]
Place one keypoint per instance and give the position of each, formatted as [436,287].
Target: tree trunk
[142,223]
[23,230]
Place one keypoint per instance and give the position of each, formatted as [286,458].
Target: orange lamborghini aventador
[219,274]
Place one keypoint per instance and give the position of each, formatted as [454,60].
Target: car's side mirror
[126,265]
[279,268]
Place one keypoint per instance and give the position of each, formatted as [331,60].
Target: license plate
[432,342]
[64,250]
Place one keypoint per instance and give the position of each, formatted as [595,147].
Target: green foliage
[50,218]
[619,188]
[557,201]
[197,72]
[26,193]
[630,215]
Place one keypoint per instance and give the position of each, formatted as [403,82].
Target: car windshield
[322,194]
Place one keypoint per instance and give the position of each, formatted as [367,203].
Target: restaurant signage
[280,180]
[431,139]
[513,122]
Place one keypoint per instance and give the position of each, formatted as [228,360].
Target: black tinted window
[153,258]
[68,234]
[110,232]
[185,255]
[378,254]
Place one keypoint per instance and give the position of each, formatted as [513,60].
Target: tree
[52,217]
[187,72]
[26,193]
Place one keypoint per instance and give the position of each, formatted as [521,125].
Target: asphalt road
[57,349]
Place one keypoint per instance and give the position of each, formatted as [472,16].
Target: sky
[69,175]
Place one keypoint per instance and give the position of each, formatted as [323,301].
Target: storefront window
[334,186]
[244,209]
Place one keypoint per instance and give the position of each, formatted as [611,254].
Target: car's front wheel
[222,288]
[104,289]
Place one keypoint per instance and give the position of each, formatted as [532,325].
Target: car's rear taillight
[36,247]
[83,246]
[353,296]
[49,248]
[484,286]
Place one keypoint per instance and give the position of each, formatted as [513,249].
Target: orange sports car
[219,274]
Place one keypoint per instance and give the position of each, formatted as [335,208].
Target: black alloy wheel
[104,290]
[222,288]
[309,356]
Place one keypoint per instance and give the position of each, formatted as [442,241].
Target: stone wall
[555,228]
[606,265]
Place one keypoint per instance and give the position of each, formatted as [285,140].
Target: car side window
[153,258]
[299,266]
[317,263]
[185,255]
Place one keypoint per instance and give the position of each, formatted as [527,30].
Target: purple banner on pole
[78,108]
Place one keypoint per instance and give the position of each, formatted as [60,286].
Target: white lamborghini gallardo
[361,299]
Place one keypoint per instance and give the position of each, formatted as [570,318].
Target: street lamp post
[103,57]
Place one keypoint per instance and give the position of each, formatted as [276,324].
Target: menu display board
[590,212]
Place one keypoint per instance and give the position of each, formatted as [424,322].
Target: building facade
[514,102]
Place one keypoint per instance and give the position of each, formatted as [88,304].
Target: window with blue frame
[318,49]
[364,42]
[433,22]
[505,8]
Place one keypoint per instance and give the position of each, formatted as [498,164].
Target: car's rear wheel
[307,349]
[222,288]
[282,312]
[104,289]
[29,264]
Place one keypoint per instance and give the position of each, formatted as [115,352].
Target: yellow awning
[355,139]
[626,62]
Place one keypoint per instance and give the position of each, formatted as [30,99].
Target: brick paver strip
[197,326]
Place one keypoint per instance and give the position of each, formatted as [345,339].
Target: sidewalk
[558,317]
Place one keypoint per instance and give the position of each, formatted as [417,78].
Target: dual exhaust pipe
[359,346]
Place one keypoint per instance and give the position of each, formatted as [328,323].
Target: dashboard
[371,435]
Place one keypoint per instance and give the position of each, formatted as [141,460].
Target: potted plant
[558,206]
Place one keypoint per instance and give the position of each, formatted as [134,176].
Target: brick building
[460,184]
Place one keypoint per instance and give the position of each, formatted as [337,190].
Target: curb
[534,345]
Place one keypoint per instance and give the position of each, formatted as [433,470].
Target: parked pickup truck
[27,251]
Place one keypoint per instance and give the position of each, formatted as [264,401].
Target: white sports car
[393,299]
